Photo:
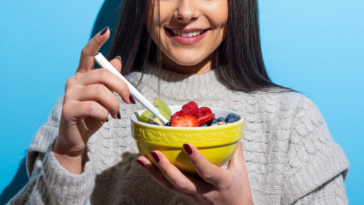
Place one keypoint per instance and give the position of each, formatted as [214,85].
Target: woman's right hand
[88,100]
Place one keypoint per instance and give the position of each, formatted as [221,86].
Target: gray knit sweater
[288,151]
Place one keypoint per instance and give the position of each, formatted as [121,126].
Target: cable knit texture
[288,151]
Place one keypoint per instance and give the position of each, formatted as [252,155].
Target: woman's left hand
[212,186]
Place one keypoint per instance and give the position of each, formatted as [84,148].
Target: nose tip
[187,16]
[186,12]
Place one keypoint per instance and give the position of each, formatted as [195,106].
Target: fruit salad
[189,116]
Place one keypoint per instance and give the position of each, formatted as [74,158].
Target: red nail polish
[141,162]
[131,99]
[187,147]
[155,156]
[119,117]
[104,30]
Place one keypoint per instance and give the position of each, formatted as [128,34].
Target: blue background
[315,47]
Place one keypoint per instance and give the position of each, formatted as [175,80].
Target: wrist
[69,158]
[72,164]
[63,148]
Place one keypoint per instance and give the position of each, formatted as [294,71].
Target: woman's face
[190,33]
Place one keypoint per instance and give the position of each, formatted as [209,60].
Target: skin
[89,100]
[205,14]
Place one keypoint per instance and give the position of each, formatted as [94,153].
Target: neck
[202,67]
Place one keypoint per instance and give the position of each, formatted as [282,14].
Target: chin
[189,59]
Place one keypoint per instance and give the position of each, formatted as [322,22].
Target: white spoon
[104,63]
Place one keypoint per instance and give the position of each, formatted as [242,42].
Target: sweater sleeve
[333,192]
[314,160]
[50,182]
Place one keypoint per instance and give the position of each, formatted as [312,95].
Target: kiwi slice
[157,120]
[137,116]
[161,104]
[164,113]
[163,109]
[146,116]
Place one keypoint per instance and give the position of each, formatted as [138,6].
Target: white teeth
[196,33]
[187,35]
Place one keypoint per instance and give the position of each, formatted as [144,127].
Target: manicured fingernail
[119,117]
[118,58]
[104,30]
[141,162]
[155,156]
[131,99]
[187,147]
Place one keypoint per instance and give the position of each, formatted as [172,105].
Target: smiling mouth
[186,35]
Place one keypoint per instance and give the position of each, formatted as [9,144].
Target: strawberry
[179,114]
[203,111]
[185,121]
[206,118]
[192,107]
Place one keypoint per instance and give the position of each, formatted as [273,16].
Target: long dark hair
[240,64]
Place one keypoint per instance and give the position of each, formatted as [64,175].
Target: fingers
[237,166]
[85,109]
[117,63]
[103,76]
[207,171]
[157,176]
[97,93]
[173,174]
[236,162]
[87,60]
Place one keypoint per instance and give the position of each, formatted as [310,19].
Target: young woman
[183,50]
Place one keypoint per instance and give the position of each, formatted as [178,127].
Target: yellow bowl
[217,144]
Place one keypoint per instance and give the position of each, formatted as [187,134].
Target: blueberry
[154,123]
[168,124]
[220,119]
[214,121]
[209,123]
[204,125]
[231,120]
[231,116]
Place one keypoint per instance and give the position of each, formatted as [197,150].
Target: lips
[187,36]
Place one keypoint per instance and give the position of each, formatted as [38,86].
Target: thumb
[117,63]
[237,160]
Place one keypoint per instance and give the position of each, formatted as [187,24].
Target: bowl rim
[134,119]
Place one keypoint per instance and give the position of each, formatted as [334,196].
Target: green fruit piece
[137,116]
[161,104]
[146,116]
[163,109]
[164,113]
[157,120]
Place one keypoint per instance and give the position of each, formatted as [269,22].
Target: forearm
[53,184]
